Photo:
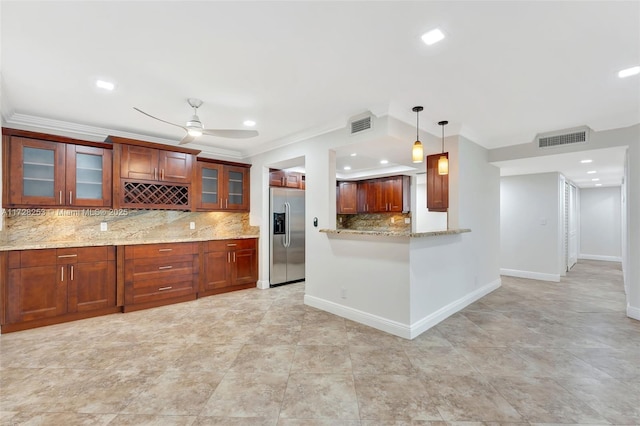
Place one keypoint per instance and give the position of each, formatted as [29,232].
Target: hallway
[530,352]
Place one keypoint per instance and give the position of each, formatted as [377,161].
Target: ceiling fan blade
[159,119]
[230,133]
[186,139]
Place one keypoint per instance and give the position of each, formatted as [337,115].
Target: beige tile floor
[529,353]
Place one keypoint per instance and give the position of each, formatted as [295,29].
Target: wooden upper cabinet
[437,186]
[286,179]
[220,186]
[347,195]
[392,190]
[47,173]
[144,163]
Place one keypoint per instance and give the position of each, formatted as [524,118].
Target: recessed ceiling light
[353,154]
[384,161]
[598,184]
[432,37]
[106,85]
[595,179]
[586,161]
[249,123]
[629,72]
[590,172]
[347,167]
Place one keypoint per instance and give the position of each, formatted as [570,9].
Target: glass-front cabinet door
[37,169]
[237,188]
[208,186]
[88,180]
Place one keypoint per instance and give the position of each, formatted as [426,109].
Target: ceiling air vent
[361,125]
[566,137]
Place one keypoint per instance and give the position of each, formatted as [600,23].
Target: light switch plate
[103,226]
[192,225]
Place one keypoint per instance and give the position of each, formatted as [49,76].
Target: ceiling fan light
[443,165]
[418,152]
[194,132]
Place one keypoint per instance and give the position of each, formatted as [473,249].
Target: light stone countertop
[6,246]
[395,233]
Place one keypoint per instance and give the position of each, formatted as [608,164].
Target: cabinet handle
[66,255]
[228,257]
[60,196]
[165,267]
[282,180]
[165,288]
[165,249]
[231,245]
[62,273]
[70,197]
[71,272]
[226,203]
[234,257]
[161,174]
[155,173]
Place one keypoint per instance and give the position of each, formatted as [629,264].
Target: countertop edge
[100,243]
[395,234]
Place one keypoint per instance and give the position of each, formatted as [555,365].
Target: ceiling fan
[194,127]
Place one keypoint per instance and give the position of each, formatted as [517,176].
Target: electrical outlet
[103,226]
[192,225]
[393,220]
[407,220]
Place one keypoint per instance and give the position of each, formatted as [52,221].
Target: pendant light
[417,153]
[443,161]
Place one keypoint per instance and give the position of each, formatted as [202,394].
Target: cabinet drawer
[146,269]
[225,245]
[85,254]
[163,288]
[160,250]
[32,258]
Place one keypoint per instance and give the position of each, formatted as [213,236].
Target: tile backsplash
[374,222]
[61,225]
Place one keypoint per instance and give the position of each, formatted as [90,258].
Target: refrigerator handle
[287,224]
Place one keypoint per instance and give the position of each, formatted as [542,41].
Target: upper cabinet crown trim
[53,138]
[127,141]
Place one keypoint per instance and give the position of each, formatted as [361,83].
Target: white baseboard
[600,257]
[262,284]
[445,312]
[633,312]
[530,274]
[375,321]
[397,328]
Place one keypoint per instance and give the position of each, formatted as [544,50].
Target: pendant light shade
[443,161]
[417,153]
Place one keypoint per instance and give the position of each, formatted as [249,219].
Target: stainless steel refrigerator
[286,216]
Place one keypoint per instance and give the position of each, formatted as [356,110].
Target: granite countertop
[6,246]
[395,233]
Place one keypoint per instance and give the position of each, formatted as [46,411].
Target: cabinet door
[208,185]
[175,166]
[216,268]
[293,180]
[91,286]
[347,197]
[88,180]
[244,266]
[36,172]
[36,292]
[437,186]
[392,188]
[138,162]
[236,185]
[277,178]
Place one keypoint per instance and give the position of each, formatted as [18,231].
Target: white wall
[530,226]
[424,220]
[600,224]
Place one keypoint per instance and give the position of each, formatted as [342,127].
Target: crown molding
[97,134]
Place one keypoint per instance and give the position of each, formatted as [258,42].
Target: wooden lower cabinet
[50,286]
[159,274]
[228,265]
